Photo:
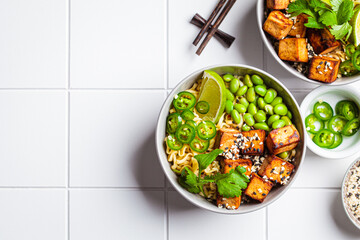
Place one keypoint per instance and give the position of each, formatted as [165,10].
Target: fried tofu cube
[293,49]
[258,188]
[282,139]
[226,140]
[277,25]
[226,166]
[324,69]
[252,142]
[276,169]
[322,41]
[277,4]
[298,30]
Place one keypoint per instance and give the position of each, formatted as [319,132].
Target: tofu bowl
[255,138]
[306,53]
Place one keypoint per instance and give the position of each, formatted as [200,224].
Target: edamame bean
[228,77]
[289,115]
[269,109]
[262,126]
[229,106]
[261,90]
[247,81]
[229,95]
[260,116]
[287,120]
[283,155]
[235,115]
[257,80]
[240,108]
[246,128]
[272,119]
[261,103]
[250,94]
[244,102]
[276,101]
[242,90]
[234,85]
[278,124]
[248,118]
[280,109]
[252,109]
[270,95]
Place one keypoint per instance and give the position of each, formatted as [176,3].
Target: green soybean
[229,95]
[280,109]
[262,126]
[246,128]
[269,109]
[250,94]
[260,116]
[252,109]
[276,101]
[261,90]
[235,115]
[240,108]
[287,120]
[278,124]
[228,77]
[242,90]
[234,85]
[270,95]
[257,80]
[244,102]
[261,103]
[249,119]
[229,106]
[289,115]
[272,119]
[247,81]
[283,155]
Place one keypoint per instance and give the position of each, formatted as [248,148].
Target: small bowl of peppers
[332,121]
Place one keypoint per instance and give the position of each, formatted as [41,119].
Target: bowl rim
[165,165]
[266,41]
[343,192]
[322,152]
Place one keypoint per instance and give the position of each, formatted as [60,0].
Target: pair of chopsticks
[216,24]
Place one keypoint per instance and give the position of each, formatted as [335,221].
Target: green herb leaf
[328,18]
[188,180]
[340,31]
[336,4]
[313,23]
[345,11]
[300,6]
[205,160]
[317,5]
[232,183]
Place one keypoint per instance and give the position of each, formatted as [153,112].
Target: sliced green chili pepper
[323,111]
[187,115]
[173,143]
[199,145]
[202,107]
[337,123]
[324,138]
[184,100]
[191,123]
[351,127]
[173,122]
[337,141]
[355,59]
[185,133]
[347,68]
[313,124]
[206,130]
[350,110]
[350,49]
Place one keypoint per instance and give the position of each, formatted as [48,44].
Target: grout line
[266,223]
[316,188]
[31,188]
[77,89]
[120,188]
[167,43]
[68,127]
[264,58]
[167,233]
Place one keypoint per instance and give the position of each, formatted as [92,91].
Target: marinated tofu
[282,139]
[258,188]
[322,40]
[226,140]
[293,49]
[277,4]
[277,25]
[298,30]
[253,142]
[324,69]
[276,169]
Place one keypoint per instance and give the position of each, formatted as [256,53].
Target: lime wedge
[212,90]
[355,23]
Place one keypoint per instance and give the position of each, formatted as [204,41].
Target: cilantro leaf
[188,180]
[328,18]
[232,183]
[345,11]
[335,4]
[300,6]
[317,5]
[205,160]
[340,31]
[313,23]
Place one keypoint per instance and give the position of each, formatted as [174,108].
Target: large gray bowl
[235,69]
[267,41]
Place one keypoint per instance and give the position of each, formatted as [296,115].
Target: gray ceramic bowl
[235,69]
[267,41]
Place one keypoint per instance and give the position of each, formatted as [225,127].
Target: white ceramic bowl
[267,41]
[238,70]
[343,194]
[332,95]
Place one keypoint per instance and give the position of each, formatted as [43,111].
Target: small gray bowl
[235,69]
[267,41]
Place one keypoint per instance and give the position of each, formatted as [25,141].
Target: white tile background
[81,85]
